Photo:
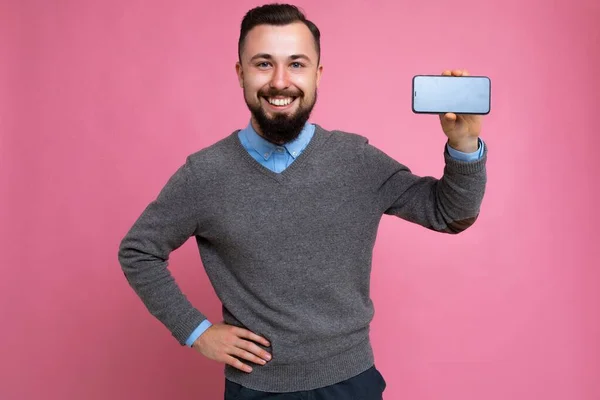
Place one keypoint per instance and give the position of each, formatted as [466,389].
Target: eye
[262,64]
[297,65]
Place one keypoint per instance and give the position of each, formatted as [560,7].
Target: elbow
[458,226]
[126,255]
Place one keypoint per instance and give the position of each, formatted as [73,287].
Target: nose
[280,78]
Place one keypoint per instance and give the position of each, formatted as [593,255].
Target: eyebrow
[267,56]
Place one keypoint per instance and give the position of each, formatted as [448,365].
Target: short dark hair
[276,14]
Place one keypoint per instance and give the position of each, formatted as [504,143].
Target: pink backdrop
[101,101]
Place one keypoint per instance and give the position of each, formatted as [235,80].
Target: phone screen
[458,94]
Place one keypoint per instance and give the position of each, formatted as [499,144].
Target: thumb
[448,120]
[449,117]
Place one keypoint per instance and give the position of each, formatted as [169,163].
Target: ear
[240,73]
[319,73]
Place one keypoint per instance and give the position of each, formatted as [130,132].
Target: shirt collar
[266,148]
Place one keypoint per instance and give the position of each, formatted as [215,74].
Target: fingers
[253,349]
[247,351]
[227,344]
[246,334]
[234,362]
[246,355]
[456,72]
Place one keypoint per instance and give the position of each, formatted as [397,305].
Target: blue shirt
[279,157]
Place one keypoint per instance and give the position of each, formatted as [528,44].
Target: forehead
[280,41]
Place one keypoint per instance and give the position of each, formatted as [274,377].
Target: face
[279,73]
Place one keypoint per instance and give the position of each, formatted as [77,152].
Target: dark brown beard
[282,128]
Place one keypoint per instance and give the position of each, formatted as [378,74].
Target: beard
[282,127]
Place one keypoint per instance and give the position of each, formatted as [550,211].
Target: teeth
[280,102]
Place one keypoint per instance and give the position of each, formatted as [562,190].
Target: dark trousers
[366,386]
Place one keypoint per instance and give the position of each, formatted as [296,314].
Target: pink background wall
[101,101]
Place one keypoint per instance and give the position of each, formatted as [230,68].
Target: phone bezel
[450,77]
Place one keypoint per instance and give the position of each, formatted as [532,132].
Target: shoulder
[359,144]
[214,155]
[344,138]
[206,163]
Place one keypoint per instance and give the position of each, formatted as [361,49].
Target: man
[285,215]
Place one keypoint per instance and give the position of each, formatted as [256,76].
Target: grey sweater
[289,254]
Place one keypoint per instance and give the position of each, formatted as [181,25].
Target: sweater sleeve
[449,204]
[164,226]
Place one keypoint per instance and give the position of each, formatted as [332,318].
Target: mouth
[279,102]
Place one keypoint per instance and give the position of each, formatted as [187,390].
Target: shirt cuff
[197,332]
[474,156]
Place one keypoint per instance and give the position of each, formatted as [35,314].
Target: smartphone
[439,94]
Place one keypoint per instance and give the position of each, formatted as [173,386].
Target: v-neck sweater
[289,254]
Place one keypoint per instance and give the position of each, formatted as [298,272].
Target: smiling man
[285,214]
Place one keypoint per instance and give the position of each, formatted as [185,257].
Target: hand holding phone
[459,99]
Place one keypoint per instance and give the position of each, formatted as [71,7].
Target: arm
[449,204]
[164,226]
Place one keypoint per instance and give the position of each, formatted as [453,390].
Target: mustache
[284,93]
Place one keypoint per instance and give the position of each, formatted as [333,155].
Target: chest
[300,207]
